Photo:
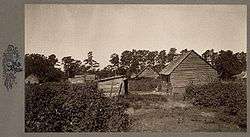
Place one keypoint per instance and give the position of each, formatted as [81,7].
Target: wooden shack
[146,80]
[147,72]
[113,86]
[188,68]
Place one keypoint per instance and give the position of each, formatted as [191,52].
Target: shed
[32,79]
[113,86]
[147,72]
[188,68]
[145,81]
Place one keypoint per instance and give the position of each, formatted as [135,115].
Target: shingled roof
[173,64]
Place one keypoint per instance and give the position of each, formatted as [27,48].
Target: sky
[74,30]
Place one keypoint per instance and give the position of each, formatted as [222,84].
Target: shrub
[229,98]
[52,107]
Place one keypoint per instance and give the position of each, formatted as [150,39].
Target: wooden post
[126,86]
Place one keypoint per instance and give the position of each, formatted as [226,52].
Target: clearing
[159,113]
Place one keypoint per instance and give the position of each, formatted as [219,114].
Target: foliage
[72,66]
[114,59]
[61,107]
[43,67]
[229,98]
[171,54]
[227,63]
[91,63]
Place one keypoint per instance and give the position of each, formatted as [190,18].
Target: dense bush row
[72,108]
[143,84]
[229,98]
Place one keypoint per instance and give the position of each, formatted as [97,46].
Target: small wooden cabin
[113,86]
[146,80]
[147,72]
[188,68]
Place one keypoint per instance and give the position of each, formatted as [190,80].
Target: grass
[151,113]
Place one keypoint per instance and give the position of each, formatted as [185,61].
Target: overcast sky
[73,30]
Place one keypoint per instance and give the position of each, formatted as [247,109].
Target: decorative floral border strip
[11,63]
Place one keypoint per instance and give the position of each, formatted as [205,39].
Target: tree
[161,60]
[151,58]
[43,67]
[114,60]
[210,56]
[35,64]
[184,51]
[126,59]
[242,57]
[52,60]
[171,54]
[71,66]
[227,64]
[91,63]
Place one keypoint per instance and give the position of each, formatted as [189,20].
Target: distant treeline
[131,62]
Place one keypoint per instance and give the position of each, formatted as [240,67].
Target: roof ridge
[148,66]
[177,62]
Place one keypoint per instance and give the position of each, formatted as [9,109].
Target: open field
[159,113]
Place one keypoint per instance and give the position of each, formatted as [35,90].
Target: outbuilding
[187,68]
[145,81]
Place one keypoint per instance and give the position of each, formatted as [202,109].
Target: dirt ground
[158,113]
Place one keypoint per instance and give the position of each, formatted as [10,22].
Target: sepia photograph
[135,68]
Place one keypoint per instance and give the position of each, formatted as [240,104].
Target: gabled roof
[175,63]
[147,72]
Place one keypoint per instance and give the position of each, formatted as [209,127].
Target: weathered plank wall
[192,69]
[109,85]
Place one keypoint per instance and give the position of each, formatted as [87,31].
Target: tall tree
[91,63]
[126,59]
[184,51]
[52,59]
[115,61]
[151,58]
[161,60]
[227,64]
[171,54]
[210,56]
[242,57]
[43,67]
[71,66]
